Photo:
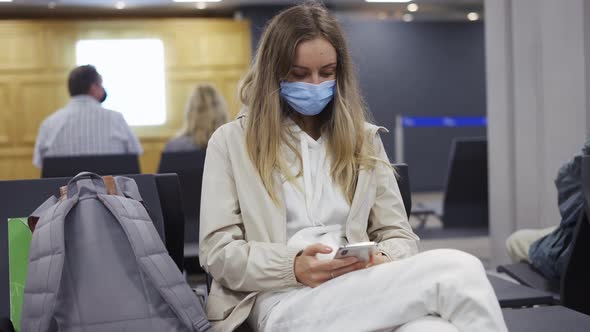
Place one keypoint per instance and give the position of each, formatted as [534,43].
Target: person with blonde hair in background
[299,174]
[205,112]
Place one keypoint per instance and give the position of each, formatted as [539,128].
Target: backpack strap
[154,260]
[109,184]
[46,261]
[127,187]
[86,184]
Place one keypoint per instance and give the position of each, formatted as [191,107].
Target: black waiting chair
[160,195]
[174,218]
[512,295]
[465,201]
[546,319]
[527,275]
[107,164]
[189,167]
[572,290]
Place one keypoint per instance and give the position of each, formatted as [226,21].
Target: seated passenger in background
[205,112]
[83,126]
[547,249]
[301,173]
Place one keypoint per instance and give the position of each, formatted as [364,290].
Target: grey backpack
[97,263]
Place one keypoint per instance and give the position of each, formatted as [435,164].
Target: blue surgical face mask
[306,98]
[104,96]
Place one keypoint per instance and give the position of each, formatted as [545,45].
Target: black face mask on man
[104,96]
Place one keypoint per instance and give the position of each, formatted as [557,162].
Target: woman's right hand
[313,272]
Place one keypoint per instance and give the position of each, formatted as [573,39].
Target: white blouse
[316,207]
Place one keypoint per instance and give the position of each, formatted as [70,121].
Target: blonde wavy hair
[205,111]
[343,125]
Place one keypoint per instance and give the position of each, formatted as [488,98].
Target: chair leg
[423,218]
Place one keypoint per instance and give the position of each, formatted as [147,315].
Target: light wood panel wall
[37,56]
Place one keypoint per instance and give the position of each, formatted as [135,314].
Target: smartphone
[362,250]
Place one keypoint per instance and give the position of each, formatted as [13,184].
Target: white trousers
[438,290]
[428,324]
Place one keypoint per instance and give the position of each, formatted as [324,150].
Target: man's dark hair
[81,78]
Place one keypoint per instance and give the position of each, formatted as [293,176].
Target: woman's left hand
[378,258]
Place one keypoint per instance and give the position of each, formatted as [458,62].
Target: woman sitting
[301,173]
[205,112]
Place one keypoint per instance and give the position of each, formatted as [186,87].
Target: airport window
[133,76]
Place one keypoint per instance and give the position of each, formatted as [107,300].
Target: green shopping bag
[19,241]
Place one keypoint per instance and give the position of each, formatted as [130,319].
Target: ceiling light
[473,16]
[388,1]
[197,0]
[200,5]
[408,17]
[120,5]
[51,5]
[412,7]
[5,0]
